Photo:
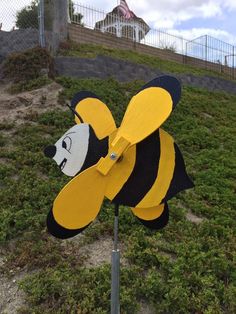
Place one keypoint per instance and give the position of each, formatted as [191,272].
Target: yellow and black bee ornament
[137,164]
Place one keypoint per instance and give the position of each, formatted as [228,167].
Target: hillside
[72,49]
[189,267]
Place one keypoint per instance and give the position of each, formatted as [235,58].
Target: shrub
[27,65]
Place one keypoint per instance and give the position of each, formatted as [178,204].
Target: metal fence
[21,26]
[211,49]
[134,29]
[20,30]
[216,52]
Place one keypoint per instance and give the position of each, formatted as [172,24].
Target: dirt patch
[146,309]
[207,115]
[11,298]
[171,256]
[16,108]
[190,216]
[99,253]
[193,218]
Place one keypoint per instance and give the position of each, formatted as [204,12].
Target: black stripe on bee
[96,149]
[143,174]
[180,180]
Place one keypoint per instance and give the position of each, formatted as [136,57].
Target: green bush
[27,65]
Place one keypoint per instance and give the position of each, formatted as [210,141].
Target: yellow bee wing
[94,112]
[154,218]
[58,231]
[148,213]
[149,108]
[79,202]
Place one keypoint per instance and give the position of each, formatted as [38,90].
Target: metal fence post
[41,24]
[233,65]
[186,52]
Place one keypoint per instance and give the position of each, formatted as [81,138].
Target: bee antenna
[76,113]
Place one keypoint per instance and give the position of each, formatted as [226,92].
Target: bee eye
[66,143]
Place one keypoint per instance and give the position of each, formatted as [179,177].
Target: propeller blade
[149,213]
[149,109]
[94,112]
[80,200]
[154,218]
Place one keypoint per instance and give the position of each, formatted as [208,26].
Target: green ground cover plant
[184,268]
[73,49]
[29,85]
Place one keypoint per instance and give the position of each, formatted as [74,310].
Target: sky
[187,18]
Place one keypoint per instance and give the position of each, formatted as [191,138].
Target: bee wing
[149,108]
[94,112]
[154,218]
[79,202]
[58,231]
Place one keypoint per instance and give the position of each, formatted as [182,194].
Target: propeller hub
[113,156]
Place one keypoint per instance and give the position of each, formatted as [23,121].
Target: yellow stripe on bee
[149,213]
[120,173]
[164,174]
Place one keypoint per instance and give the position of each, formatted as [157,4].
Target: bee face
[70,151]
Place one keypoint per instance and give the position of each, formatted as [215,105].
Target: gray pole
[206,47]
[233,64]
[41,24]
[115,273]
[60,21]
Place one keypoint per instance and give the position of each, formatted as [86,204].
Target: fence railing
[29,32]
[213,50]
[21,26]
[205,48]
[134,29]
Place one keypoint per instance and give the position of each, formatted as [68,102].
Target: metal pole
[186,52]
[115,272]
[41,24]
[233,65]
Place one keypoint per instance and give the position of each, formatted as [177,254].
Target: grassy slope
[185,268]
[91,51]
